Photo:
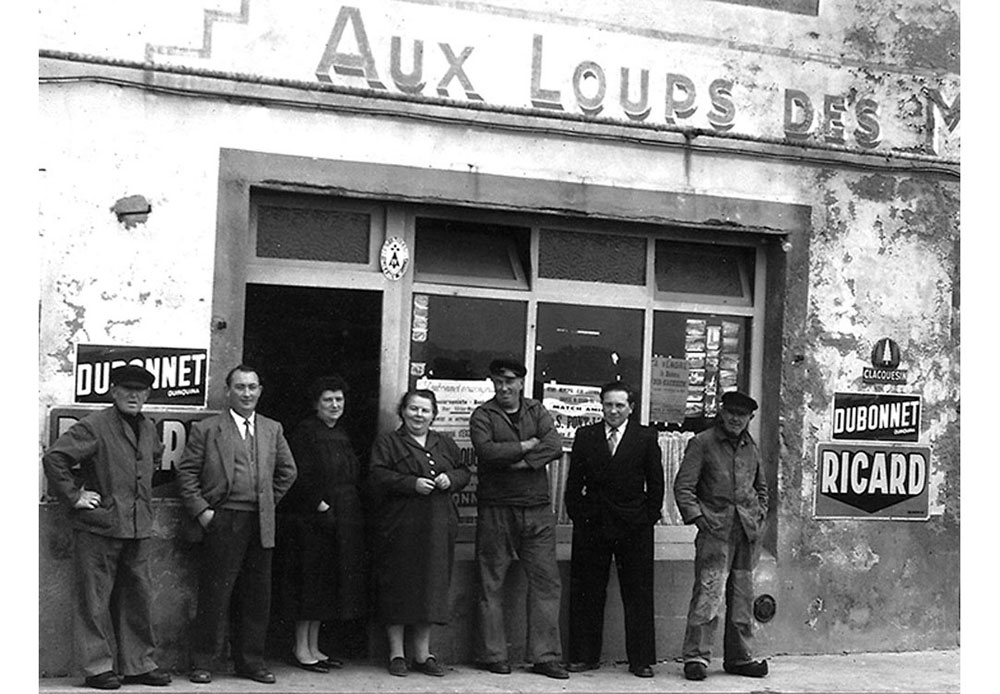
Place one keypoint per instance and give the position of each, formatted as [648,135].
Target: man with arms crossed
[234,470]
[515,439]
[111,510]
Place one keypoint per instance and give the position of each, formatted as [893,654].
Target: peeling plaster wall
[880,259]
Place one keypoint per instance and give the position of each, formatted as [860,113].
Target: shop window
[469,253]
[579,349]
[696,358]
[455,338]
[703,272]
[313,233]
[569,255]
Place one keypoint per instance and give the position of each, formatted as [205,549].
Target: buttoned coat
[615,493]
[113,462]
[720,475]
[205,470]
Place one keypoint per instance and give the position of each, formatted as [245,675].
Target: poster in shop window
[668,390]
[571,407]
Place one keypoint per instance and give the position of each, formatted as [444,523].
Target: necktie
[249,441]
[613,441]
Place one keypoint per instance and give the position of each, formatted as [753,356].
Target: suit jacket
[722,479]
[205,470]
[114,463]
[615,494]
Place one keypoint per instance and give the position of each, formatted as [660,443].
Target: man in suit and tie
[614,493]
[101,469]
[234,470]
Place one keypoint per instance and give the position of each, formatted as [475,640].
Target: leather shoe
[104,680]
[581,667]
[262,675]
[693,670]
[154,678]
[551,668]
[397,667]
[431,667]
[641,670]
[318,666]
[200,676]
[755,668]
[497,667]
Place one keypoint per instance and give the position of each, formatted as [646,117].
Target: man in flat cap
[515,439]
[102,470]
[720,488]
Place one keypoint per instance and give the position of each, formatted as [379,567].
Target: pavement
[920,672]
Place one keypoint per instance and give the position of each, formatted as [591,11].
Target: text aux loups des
[873,471]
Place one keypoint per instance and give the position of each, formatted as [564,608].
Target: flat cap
[498,366]
[131,375]
[736,401]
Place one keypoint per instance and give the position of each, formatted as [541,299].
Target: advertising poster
[876,417]
[886,481]
[572,407]
[179,375]
[172,427]
[456,400]
[668,389]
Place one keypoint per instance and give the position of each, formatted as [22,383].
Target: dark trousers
[234,591]
[529,534]
[590,568]
[723,579]
[113,614]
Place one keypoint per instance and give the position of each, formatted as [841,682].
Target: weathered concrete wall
[880,258]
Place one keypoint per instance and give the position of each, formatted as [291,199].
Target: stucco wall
[880,258]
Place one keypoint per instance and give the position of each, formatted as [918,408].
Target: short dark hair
[417,393]
[245,369]
[498,366]
[618,386]
[333,382]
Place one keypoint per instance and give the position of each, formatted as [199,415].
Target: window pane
[470,253]
[568,255]
[698,268]
[307,233]
[710,353]
[456,338]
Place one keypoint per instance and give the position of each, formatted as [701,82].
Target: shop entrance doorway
[294,335]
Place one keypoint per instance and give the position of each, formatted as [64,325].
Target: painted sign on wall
[878,480]
[172,427]
[179,375]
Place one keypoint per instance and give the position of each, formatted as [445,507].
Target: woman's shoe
[429,667]
[318,666]
[397,667]
[332,663]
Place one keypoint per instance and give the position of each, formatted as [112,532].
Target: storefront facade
[400,190]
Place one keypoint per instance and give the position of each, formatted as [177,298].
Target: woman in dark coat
[414,472]
[321,562]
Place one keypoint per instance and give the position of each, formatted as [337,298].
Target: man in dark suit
[614,494]
[110,501]
[234,470]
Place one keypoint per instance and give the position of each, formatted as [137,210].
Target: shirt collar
[239,419]
[621,429]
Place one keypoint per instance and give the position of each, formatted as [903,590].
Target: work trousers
[529,534]
[113,611]
[723,578]
[234,591]
[590,569]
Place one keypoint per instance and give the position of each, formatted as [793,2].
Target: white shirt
[241,423]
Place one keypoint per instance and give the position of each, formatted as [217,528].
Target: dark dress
[320,557]
[414,534]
